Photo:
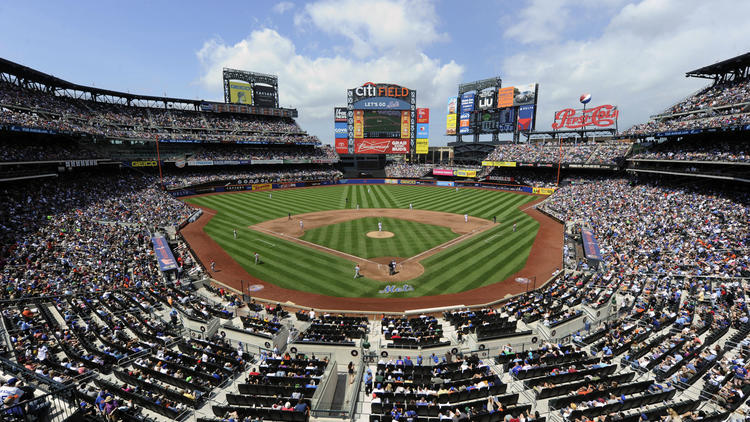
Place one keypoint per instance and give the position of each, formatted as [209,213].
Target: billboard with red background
[381,146]
[342,146]
[423,115]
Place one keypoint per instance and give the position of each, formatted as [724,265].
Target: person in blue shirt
[419,360]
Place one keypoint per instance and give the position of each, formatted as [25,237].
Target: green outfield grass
[410,237]
[484,259]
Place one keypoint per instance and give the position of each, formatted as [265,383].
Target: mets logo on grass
[393,288]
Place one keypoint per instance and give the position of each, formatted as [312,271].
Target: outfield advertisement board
[498,163]
[450,124]
[453,105]
[423,115]
[423,130]
[442,172]
[339,130]
[342,146]
[467,102]
[526,118]
[422,145]
[381,146]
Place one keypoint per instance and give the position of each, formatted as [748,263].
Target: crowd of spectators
[298,173]
[222,152]
[713,151]
[408,170]
[700,111]
[36,109]
[640,229]
[552,152]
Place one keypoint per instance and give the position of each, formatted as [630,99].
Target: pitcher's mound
[380,235]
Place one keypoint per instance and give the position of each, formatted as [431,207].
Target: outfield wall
[198,190]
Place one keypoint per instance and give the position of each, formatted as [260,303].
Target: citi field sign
[371,89]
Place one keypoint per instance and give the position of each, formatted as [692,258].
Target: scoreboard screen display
[494,120]
[382,124]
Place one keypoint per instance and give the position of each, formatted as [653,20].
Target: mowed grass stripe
[469,264]
[490,262]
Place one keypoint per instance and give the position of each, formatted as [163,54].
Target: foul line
[491,237]
[313,245]
[530,206]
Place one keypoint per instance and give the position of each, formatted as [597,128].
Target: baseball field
[438,249]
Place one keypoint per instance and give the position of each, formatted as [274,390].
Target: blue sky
[630,53]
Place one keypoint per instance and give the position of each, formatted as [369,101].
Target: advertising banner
[442,183]
[422,145]
[442,172]
[498,163]
[381,104]
[340,130]
[266,161]
[450,124]
[465,173]
[524,95]
[423,130]
[150,163]
[339,114]
[543,191]
[359,124]
[405,125]
[240,93]
[525,118]
[200,163]
[262,186]
[264,96]
[163,254]
[465,123]
[381,146]
[486,98]
[423,115]
[467,102]
[226,162]
[453,105]
[296,161]
[342,146]
[505,97]
[601,116]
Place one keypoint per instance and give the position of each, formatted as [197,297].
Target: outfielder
[356,271]
[514,227]
[234,232]
[257,258]
[269,196]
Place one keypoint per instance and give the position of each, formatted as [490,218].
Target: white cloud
[639,60]
[393,26]
[282,7]
[314,85]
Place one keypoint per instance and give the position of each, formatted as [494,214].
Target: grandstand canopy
[729,69]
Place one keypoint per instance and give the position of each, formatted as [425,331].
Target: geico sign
[372,90]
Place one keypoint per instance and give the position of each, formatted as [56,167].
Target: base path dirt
[545,257]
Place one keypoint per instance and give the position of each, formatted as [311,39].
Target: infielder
[380,226]
[257,258]
[357,207]
[410,207]
[234,232]
[301,225]
[514,227]
[466,218]
[356,271]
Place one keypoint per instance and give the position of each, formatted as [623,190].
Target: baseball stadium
[226,260]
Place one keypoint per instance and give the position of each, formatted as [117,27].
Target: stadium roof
[736,65]
[25,72]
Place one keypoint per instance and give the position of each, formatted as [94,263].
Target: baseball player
[410,206]
[213,265]
[380,226]
[301,225]
[234,232]
[357,207]
[456,188]
[290,215]
[514,227]
[466,218]
[494,219]
[257,258]
[269,196]
[356,271]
